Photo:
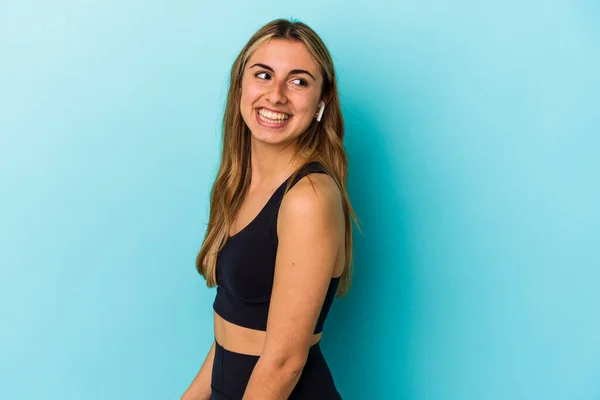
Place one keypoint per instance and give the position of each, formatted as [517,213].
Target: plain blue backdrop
[472,135]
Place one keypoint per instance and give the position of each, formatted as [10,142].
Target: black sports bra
[246,266]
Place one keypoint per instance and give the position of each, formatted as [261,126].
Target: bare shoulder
[313,206]
[316,192]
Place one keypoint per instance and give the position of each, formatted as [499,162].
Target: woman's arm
[311,234]
[200,387]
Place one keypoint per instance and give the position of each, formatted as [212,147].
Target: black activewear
[246,266]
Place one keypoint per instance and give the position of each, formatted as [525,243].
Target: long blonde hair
[322,141]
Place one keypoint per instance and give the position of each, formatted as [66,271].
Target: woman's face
[281,89]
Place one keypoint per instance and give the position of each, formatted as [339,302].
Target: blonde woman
[279,240]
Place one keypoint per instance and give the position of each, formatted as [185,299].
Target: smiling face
[281,89]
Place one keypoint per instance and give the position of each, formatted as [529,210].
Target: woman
[279,238]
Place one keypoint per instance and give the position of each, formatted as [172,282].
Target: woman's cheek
[251,90]
[304,106]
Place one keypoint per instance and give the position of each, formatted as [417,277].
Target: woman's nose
[277,94]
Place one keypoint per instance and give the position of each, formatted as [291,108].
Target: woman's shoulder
[314,194]
[312,212]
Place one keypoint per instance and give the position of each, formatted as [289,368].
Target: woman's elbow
[290,364]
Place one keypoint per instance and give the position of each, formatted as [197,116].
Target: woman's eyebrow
[292,72]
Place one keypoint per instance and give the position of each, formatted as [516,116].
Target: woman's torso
[238,338]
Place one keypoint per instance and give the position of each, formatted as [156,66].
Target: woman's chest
[246,265]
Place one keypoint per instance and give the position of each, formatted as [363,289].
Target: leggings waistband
[231,373]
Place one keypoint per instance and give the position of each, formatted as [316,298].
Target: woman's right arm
[200,387]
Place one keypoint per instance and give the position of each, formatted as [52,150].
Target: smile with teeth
[272,117]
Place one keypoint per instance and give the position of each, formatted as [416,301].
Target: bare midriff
[243,340]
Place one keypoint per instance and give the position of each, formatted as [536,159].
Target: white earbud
[321,109]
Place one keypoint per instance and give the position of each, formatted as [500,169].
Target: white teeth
[273,115]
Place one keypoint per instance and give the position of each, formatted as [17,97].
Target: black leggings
[231,373]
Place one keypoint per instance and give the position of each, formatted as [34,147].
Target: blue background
[472,134]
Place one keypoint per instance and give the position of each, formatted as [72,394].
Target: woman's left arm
[310,233]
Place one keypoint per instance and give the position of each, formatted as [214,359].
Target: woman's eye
[300,82]
[262,75]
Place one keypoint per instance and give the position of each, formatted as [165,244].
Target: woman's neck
[272,165]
